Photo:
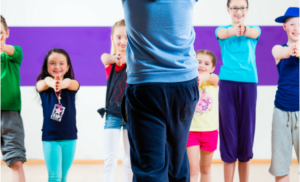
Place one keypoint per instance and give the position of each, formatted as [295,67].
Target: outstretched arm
[213,79]
[8,49]
[69,84]
[226,33]
[43,85]
[108,59]
[203,77]
[280,52]
[57,84]
[251,32]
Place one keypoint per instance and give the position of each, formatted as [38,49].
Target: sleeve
[107,70]
[17,56]
[259,31]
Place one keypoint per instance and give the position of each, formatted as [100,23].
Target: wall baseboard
[83,162]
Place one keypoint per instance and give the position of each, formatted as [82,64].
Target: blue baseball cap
[290,13]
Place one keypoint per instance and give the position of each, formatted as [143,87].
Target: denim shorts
[114,122]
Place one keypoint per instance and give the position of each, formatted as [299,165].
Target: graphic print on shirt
[119,89]
[205,103]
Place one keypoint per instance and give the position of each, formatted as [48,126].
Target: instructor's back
[162,89]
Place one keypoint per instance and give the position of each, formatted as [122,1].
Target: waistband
[176,84]
[237,83]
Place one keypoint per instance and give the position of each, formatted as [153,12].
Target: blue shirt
[160,41]
[54,130]
[238,56]
[287,95]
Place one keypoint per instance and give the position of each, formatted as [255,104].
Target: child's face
[120,38]
[57,64]
[238,10]
[205,63]
[4,32]
[292,28]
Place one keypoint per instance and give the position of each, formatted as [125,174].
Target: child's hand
[120,59]
[238,30]
[295,50]
[2,45]
[242,27]
[203,77]
[58,85]
[50,82]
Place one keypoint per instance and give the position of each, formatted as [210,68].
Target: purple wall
[86,44]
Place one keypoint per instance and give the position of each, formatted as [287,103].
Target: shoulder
[75,85]
[277,48]
[254,26]
[223,26]
[18,52]
[18,48]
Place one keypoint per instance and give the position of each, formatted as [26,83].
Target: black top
[116,85]
[66,128]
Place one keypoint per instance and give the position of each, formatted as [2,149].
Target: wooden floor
[93,173]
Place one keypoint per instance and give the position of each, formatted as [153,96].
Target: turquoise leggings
[59,157]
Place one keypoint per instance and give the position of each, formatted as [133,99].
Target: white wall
[89,99]
[106,12]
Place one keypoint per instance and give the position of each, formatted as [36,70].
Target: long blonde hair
[117,24]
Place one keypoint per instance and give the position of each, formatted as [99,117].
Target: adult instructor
[162,90]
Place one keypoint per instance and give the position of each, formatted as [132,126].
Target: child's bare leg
[229,171]
[205,165]
[285,178]
[244,168]
[18,172]
[193,154]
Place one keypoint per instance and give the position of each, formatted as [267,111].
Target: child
[115,67]
[238,90]
[203,136]
[285,124]
[57,88]
[12,130]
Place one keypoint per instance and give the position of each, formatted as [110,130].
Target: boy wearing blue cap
[285,124]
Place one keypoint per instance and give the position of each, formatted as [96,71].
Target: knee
[17,165]
[194,170]
[110,163]
[204,170]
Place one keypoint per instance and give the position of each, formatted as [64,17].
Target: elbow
[221,36]
[102,57]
